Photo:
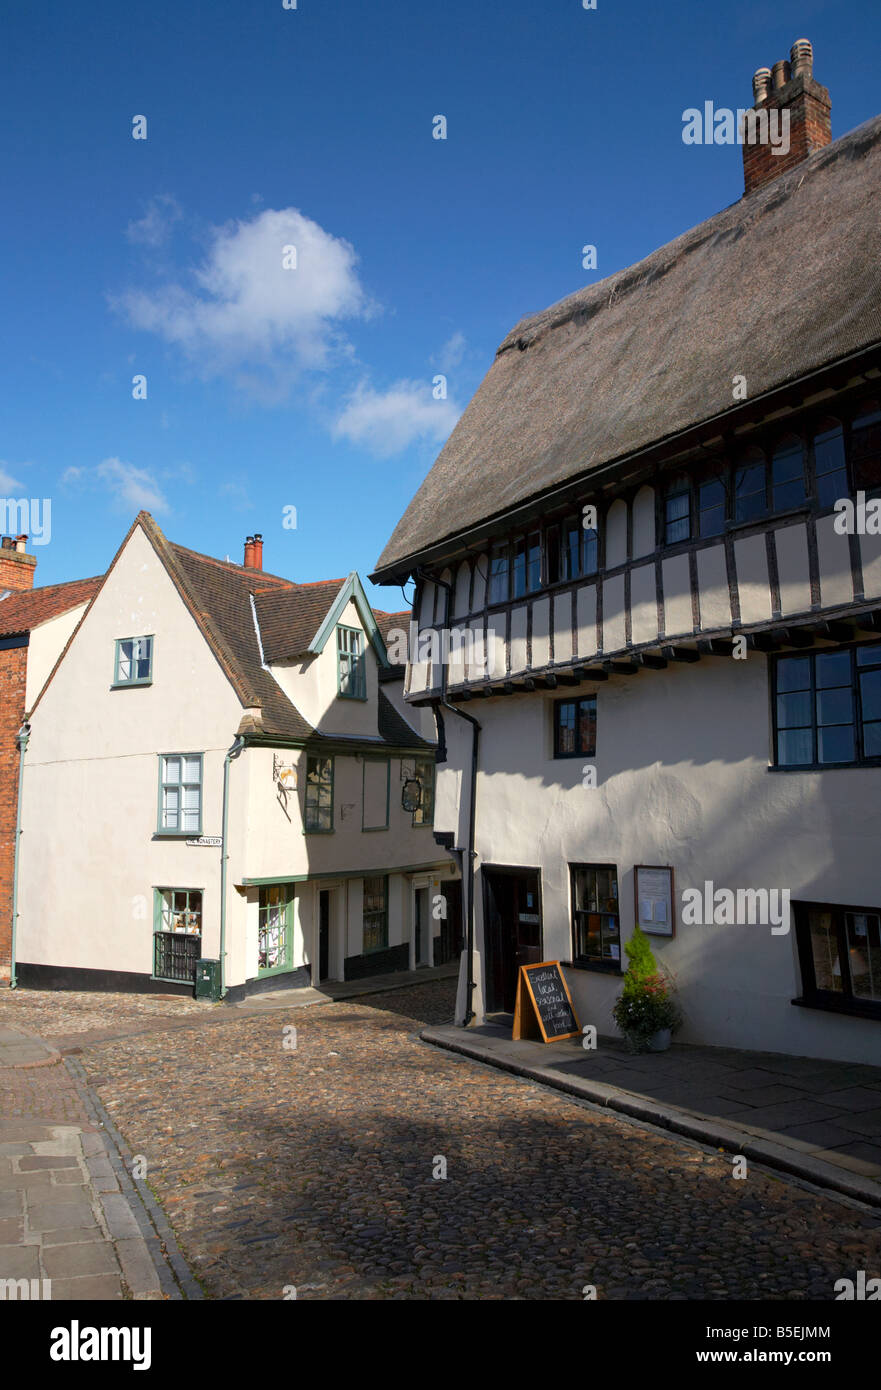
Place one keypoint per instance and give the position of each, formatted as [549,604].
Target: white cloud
[7,482]
[154,228]
[242,307]
[451,353]
[134,488]
[387,422]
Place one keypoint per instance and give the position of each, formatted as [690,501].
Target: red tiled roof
[22,611]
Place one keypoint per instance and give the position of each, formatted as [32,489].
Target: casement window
[180,794]
[425,772]
[575,727]
[375,914]
[351,673]
[133,662]
[275,928]
[866,447]
[827,707]
[570,550]
[318,805]
[596,924]
[788,474]
[839,952]
[830,463]
[711,502]
[750,487]
[177,933]
[499,578]
[677,510]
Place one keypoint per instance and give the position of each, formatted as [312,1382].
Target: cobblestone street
[312,1167]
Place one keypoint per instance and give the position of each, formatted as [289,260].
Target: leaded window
[318,807]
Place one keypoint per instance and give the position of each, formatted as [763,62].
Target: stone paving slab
[55,1180]
[813,1132]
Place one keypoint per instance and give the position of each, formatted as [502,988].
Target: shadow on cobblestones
[315,1168]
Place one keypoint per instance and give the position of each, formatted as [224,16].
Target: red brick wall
[810,128]
[13,669]
[16,570]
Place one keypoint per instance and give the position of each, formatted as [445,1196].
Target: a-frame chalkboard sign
[544,1007]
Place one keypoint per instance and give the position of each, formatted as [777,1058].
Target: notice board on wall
[544,1005]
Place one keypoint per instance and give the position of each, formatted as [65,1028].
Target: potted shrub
[646,1011]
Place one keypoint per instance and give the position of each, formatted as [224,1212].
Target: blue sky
[311,387]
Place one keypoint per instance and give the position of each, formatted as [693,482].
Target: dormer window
[352,679]
[134,661]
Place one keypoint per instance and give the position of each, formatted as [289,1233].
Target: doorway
[323,934]
[513,935]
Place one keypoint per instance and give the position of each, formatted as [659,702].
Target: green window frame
[133,661]
[383,825]
[318,797]
[424,814]
[180,794]
[374,915]
[351,670]
[275,929]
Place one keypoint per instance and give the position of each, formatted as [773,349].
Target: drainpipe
[233,752]
[472,813]
[22,737]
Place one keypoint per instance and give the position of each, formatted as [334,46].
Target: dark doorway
[323,935]
[512,914]
[448,945]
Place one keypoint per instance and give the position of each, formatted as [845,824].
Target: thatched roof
[782,283]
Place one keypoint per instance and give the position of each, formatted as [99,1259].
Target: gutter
[472,810]
[22,737]
[233,752]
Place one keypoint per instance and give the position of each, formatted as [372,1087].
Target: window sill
[596,967]
[832,1004]
[178,834]
[128,685]
[827,767]
[273,970]
[317,832]
[372,829]
[341,695]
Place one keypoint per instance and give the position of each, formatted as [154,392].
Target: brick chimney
[16,566]
[786,92]
[254,552]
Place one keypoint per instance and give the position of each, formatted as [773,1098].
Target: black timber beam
[716,646]
[650,661]
[681,654]
[621,668]
[593,673]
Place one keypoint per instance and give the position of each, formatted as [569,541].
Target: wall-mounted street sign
[544,1005]
[216,840]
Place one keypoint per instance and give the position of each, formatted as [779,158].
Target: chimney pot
[249,552]
[21,544]
[780,74]
[802,58]
[761,85]
[790,120]
[258,550]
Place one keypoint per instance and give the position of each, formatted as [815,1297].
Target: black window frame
[813,997]
[860,760]
[575,700]
[600,964]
